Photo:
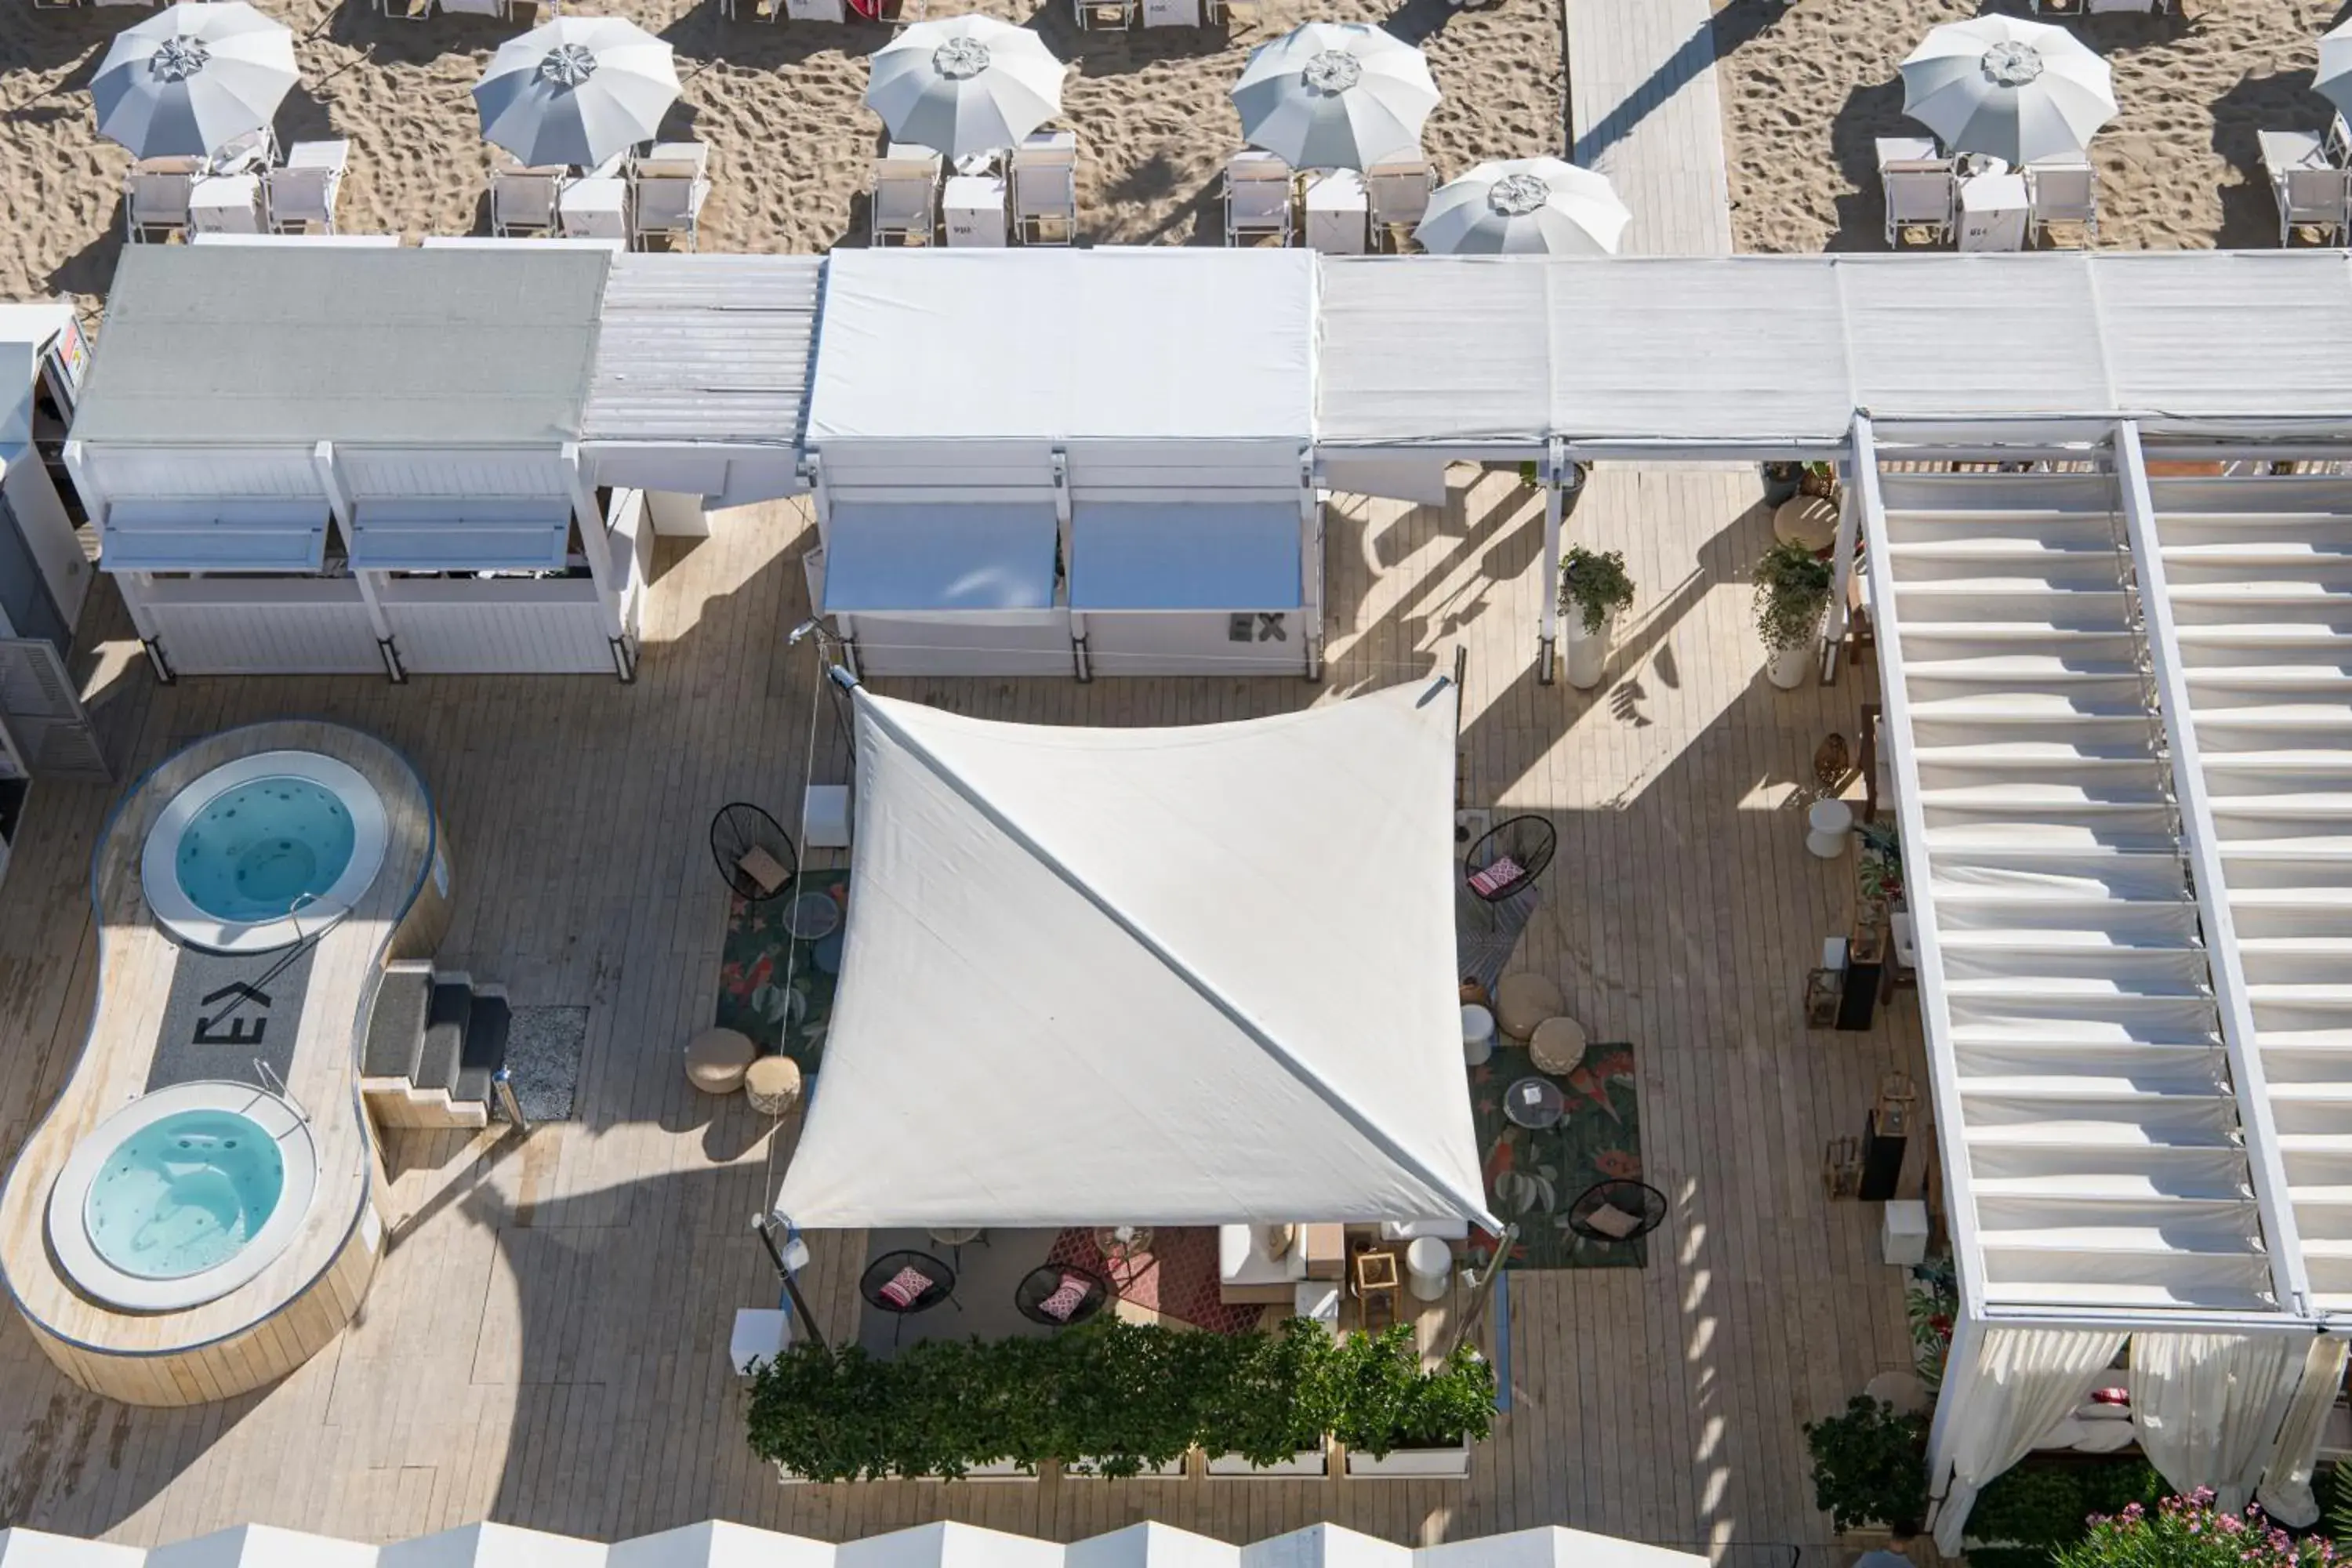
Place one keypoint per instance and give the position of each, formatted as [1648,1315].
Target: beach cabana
[1035,463]
[1114,1009]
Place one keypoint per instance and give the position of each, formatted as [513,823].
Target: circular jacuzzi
[261,851]
[183,1196]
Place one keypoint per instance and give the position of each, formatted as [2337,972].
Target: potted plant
[1818,480]
[1265,1410]
[1398,1421]
[1131,1405]
[1792,590]
[1780,481]
[1870,1467]
[1593,590]
[2191,1532]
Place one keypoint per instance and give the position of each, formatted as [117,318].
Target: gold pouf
[1557,1046]
[1524,999]
[716,1060]
[772,1085]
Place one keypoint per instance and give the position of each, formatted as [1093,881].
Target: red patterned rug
[1177,1279]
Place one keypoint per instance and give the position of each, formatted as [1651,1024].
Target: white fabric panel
[1554,1547]
[1419,480]
[2229,333]
[716,1544]
[1433,349]
[975,556]
[1054,1009]
[262,1546]
[2001,334]
[492,1546]
[1150,343]
[1144,555]
[2207,1408]
[213,536]
[946,1545]
[21,1548]
[1148,1545]
[491,535]
[2285,1493]
[2020,1383]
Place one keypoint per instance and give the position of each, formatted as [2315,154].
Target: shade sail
[1181,976]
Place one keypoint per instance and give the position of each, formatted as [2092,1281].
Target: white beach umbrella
[1524,206]
[2334,81]
[2008,88]
[1334,95]
[187,81]
[577,91]
[965,84]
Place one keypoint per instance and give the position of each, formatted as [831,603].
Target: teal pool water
[184,1195]
[256,852]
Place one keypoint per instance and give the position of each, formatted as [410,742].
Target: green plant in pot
[1266,1397]
[1818,480]
[1792,590]
[1780,481]
[1593,590]
[1870,1466]
[1382,1400]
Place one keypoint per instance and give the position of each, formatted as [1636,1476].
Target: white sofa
[1246,1272]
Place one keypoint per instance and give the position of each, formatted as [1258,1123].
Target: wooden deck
[543,1342]
[1643,109]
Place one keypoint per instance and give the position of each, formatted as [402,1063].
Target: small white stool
[1319,1301]
[1428,1268]
[1903,1232]
[828,816]
[760,1334]
[1828,824]
[1477,1034]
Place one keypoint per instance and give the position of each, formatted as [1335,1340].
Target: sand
[780,104]
[1807,89]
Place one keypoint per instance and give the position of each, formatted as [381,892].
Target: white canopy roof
[1154,344]
[1176,976]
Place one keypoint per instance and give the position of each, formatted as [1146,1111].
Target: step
[445,1036]
[396,1030]
[484,1049]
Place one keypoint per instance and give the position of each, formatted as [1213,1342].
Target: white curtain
[2022,1383]
[2208,1406]
[2286,1485]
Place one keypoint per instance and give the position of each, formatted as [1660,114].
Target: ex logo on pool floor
[241,1030]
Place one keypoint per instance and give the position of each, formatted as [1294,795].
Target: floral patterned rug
[762,967]
[1533,1176]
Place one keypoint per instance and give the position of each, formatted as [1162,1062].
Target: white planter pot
[1086,1470]
[1588,654]
[1413,1464]
[1306,1462]
[1788,667]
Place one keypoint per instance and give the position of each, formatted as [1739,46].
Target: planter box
[1084,1470]
[996,1470]
[1306,1462]
[1415,1464]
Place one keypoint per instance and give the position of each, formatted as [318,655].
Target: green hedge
[2045,1504]
[1125,1396]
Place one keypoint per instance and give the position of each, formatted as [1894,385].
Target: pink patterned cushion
[905,1287]
[1493,879]
[1064,1303]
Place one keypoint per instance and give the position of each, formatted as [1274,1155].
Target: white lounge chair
[2101,7]
[2310,192]
[1258,199]
[2339,141]
[1046,188]
[475,7]
[522,200]
[906,202]
[666,191]
[2062,191]
[1920,188]
[301,194]
[1110,15]
[155,198]
[1398,189]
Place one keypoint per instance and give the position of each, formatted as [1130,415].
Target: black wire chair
[924,1281]
[1645,1205]
[1527,842]
[738,829]
[1043,1283]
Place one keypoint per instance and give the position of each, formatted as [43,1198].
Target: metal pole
[801,1313]
[502,1081]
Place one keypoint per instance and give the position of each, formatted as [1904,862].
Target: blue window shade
[1184,555]
[919,556]
[489,535]
[213,536]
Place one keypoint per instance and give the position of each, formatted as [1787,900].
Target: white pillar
[1841,568]
[594,542]
[1548,614]
[1310,563]
[339,506]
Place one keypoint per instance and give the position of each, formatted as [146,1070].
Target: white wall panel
[237,626]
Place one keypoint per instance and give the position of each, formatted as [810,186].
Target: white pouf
[1828,824]
[1477,1034]
[1427,1264]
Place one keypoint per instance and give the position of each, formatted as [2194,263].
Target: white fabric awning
[1170,556]
[493,534]
[988,556]
[1181,976]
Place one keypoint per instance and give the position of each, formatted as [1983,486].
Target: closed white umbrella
[2008,88]
[2334,81]
[965,84]
[1524,206]
[579,90]
[187,81]
[1334,95]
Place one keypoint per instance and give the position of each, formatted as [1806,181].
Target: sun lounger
[475,7]
[906,201]
[1258,199]
[1046,188]
[2310,192]
[2063,191]
[667,189]
[523,200]
[1920,188]
[301,193]
[155,198]
[1399,191]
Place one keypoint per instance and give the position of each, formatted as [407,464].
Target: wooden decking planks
[1643,109]
[543,1343]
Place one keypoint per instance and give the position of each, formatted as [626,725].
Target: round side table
[1828,824]
[1428,1268]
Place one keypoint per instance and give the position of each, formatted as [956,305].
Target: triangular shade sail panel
[1181,976]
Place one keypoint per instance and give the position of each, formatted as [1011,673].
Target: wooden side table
[1378,1286]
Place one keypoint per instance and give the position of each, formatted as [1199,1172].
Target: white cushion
[1242,1259]
[1415,1229]
[2104,1437]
